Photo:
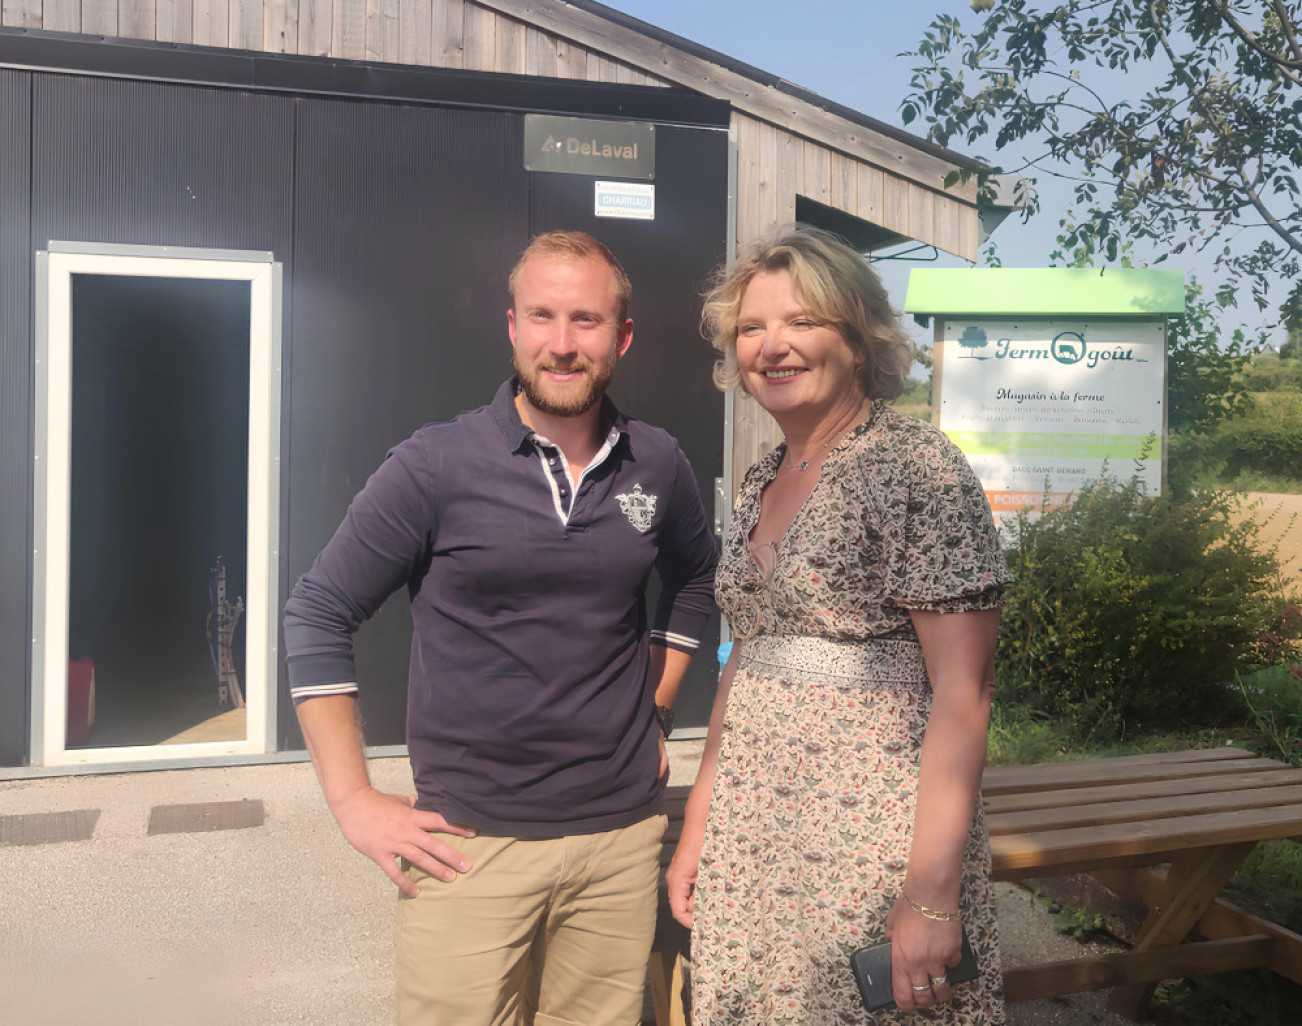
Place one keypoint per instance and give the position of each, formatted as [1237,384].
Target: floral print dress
[811,816]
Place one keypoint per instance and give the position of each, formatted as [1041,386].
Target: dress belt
[893,664]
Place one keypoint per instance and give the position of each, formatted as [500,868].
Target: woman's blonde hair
[836,287]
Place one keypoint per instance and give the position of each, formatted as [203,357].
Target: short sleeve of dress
[946,554]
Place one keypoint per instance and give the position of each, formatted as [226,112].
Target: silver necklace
[803,465]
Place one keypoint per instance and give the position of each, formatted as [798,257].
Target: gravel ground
[1027,936]
[277,925]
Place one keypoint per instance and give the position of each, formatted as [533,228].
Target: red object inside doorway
[81,701]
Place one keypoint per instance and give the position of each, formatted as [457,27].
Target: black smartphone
[872,971]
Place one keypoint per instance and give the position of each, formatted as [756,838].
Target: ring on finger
[925,986]
[939,981]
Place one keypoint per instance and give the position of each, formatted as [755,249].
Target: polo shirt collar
[515,433]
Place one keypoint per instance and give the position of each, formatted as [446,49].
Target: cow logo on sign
[639,508]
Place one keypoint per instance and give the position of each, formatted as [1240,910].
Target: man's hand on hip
[386,827]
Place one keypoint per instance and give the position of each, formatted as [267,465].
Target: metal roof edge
[42,50]
[1045,291]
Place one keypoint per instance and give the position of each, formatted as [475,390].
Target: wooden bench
[1166,831]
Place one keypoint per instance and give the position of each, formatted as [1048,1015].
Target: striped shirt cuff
[672,640]
[306,691]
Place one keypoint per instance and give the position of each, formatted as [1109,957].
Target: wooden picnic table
[1198,813]
[1166,831]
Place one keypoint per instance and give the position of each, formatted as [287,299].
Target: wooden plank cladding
[746,94]
[774,166]
[424,33]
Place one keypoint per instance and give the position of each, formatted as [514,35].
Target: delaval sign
[1047,406]
[586,146]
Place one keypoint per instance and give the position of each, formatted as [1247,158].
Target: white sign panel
[1041,407]
[636,200]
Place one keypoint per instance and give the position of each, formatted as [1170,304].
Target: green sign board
[1049,378]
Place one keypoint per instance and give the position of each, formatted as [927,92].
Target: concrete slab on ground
[282,924]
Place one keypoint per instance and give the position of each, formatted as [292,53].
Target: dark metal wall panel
[408,220]
[397,225]
[155,164]
[15,413]
[141,163]
[665,378]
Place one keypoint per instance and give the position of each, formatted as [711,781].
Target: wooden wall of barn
[432,33]
[786,145]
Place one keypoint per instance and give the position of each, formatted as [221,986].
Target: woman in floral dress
[838,798]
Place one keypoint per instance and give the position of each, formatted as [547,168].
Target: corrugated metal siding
[155,164]
[408,220]
[15,413]
[665,378]
[125,162]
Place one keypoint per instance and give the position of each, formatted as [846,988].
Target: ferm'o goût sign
[1050,378]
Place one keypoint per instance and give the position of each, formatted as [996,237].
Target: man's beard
[568,400]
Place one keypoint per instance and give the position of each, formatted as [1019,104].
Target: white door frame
[55,267]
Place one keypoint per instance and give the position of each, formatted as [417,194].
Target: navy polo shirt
[529,704]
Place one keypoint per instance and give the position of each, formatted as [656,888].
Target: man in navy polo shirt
[525,533]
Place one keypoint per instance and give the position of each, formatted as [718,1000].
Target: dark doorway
[159,481]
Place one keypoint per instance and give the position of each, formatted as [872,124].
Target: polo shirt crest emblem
[639,508]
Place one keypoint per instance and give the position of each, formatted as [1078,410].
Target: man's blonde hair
[576,246]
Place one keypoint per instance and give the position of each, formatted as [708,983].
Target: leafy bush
[915,400]
[1272,697]
[1268,439]
[1205,389]
[1204,383]
[1195,461]
[1130,611]
[1270,882]
[1080,923]
[1268,372]
[1272,690]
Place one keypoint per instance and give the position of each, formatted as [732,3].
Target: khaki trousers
[549,933]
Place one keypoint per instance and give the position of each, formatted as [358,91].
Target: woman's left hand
[922,950]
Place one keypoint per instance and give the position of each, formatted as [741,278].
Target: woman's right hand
[680,879]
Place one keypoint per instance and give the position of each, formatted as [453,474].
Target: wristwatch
[665,717]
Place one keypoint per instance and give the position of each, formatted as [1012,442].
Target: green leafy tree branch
[1205,157]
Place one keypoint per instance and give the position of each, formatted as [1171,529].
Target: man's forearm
[332,730]
[381,826]
[668,665]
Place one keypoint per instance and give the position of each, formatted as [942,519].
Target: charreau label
[586,146]
[635,200]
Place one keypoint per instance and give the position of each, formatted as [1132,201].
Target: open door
[158,394]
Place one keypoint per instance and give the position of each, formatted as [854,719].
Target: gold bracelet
[932,913]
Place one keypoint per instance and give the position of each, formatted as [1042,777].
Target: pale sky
[848,51]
